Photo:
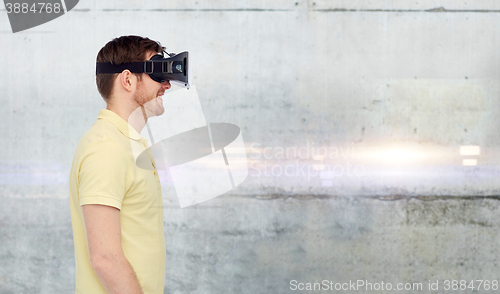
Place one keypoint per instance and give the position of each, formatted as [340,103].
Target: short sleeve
[103,174]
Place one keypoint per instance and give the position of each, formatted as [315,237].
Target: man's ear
[127,80]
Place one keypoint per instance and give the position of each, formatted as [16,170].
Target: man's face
[149,93]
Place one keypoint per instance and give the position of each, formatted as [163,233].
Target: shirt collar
[124,127]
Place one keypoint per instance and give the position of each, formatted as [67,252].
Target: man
[116,207]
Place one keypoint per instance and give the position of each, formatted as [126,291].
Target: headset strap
[147,66]
[108,68]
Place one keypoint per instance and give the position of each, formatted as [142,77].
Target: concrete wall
[382,93]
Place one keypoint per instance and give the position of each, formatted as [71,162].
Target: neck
[136,118]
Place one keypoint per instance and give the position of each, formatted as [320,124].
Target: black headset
[160,69]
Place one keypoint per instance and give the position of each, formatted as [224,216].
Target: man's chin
[158,110]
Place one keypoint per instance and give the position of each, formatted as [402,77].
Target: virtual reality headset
[173,68]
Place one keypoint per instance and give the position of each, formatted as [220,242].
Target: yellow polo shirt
[104,172]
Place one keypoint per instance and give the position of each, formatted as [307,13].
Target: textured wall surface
[353,113]
[258,245]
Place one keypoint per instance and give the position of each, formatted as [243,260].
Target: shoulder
[104,135]
[100,145]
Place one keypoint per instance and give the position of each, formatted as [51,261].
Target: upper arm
[102,226]
[104,174]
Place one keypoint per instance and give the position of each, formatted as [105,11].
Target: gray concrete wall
[392,88]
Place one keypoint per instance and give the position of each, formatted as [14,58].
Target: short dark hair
[123,50]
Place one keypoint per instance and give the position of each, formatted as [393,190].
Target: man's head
[139,86]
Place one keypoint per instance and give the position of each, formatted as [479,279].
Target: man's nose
[165,85]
